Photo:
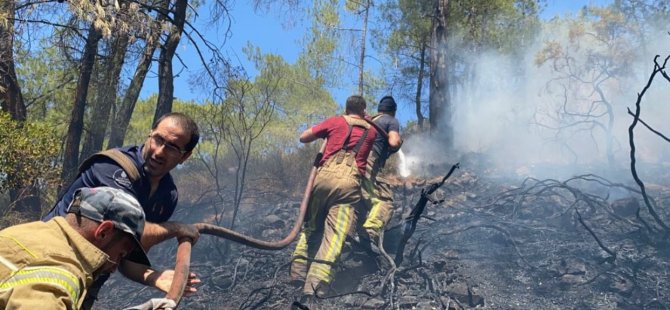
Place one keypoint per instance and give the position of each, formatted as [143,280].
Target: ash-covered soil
[584,242]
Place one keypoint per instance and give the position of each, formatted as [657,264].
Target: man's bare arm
[308,136]
[394,139]
[157,233]
[161,280]
[136,272]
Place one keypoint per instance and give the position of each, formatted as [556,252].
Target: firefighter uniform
[378,194]
[331,213]
[46,265]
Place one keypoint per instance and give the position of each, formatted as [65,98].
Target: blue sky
[266,31]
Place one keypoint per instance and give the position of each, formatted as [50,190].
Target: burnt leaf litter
[583,242]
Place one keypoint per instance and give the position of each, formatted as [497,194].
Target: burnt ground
[578,243]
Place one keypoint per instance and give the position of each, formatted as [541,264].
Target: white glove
[155,303]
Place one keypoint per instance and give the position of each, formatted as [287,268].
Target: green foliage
[321,44]
[48,90]
[29,153]
[404,27]
[503,25]
[404,35]
[300,99]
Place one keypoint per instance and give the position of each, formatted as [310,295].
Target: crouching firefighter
[51,265]
[331,214]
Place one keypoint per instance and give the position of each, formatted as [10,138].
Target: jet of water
[403,167]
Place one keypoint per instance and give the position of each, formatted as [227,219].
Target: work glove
[155,303]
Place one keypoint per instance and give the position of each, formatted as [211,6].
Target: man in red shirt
[337,188]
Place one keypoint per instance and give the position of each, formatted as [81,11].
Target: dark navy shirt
[106,172]
[381,147]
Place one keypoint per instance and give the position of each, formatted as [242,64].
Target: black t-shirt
[381,148]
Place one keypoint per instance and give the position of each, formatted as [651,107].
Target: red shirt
[335,129]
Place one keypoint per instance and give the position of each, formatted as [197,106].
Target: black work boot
[322,290]
[297,283]
[306,302]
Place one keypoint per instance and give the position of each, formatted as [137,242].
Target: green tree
[76,123]
[167,52]
[106,94]
[436,40]
[11,98]
[29,166]
[361,8]
[404,37]
[125,109]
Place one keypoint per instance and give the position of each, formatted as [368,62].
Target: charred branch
[600,243]
[649,127]
[658,68]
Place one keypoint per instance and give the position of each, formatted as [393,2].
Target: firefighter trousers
[330,218]
[379,200]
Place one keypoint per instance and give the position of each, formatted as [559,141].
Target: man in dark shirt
[377,191]
[146,176]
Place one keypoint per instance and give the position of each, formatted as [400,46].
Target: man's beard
[148,171]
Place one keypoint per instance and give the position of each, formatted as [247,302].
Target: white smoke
[509,111]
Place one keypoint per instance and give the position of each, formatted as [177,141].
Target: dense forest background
[485,81]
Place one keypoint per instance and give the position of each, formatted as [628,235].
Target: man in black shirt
[376,189]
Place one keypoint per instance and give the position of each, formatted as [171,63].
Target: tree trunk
[165,77]
[75,128]
[125,111]
[240,181]
[10,91]
[419,85]
[361,61]
[106,96]
[24,196]
[440,110]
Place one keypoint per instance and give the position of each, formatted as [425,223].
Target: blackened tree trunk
[440,107]
[10,91]
[165,77]
[76,126]
[125,111]
[106,96]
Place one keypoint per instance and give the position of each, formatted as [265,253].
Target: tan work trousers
[378,198]
[330,218]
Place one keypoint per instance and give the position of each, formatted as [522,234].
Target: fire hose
[183,258]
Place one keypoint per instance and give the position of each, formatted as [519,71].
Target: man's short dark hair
[186,123]
[355,105]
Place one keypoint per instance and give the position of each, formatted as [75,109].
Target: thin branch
[649,127]
[600,243]
[631,139]
[43,21]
